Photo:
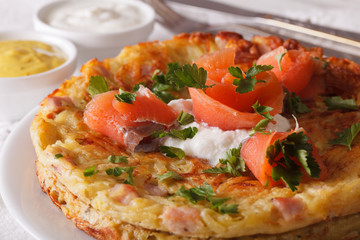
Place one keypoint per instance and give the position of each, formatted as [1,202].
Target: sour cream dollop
[212,143]
[96,16]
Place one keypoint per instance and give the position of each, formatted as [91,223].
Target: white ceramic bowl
[91,43]
[18,95]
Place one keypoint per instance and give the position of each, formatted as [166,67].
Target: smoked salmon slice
[220,106]
[297,67]
[146,107]
[254,153]
[216,114]
[128,123]
[101,116]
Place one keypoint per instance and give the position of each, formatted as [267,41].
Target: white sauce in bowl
[97,16]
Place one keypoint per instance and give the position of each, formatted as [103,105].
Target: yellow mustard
[23,58]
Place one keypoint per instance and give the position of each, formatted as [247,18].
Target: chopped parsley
[281,156]
[117,171]
[185,118]
[294,105]
[347,136]
[182,134]
[170,174]
[90,171]
[247,84]
[172,152]
[58,155]
[279,57]
[262,124]
[118,159]
[337,102]
[125,97]
[205,192]
[233,164]
[97,85]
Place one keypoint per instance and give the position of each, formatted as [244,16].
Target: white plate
[21,191]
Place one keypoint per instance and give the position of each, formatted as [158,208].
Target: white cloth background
[341,14]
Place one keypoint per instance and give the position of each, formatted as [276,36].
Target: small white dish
[21,191]
[90,42]
[18,95]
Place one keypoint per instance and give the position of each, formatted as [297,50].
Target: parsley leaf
[117,171]
[262,124]
[294,105]
[185,118]
[205,192]
[279,57]
[281,156]
[191,76]
[125,97]
[118,159]
[97,85]
[182,134]
[58,155]
[337,102]
[347,136]
[247,84]
[291,177]
[176,79]
[164,84]
[196,194]
[233,164]
[228,208]
[170,174]
[172,152]
[262,110]
[90,171]
[137,86]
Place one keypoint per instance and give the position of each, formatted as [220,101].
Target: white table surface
[341,14]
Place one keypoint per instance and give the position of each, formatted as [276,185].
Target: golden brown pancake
[106,208]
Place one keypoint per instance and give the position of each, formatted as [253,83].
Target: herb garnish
[172,152]
[182,134]
[337,102]
[294,105]
[164,84]
[279,57]
[90,171]
[347,136]
[191,76]
[169,174]
[97,85]
[117,171]
[137,86]
[262,124]
[205,192]
[247,84]
[281,156]
[125,97]
[176,78]
[233,164]
[58,155]
[118,159]
[185,118]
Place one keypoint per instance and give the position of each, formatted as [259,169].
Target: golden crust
[89,201]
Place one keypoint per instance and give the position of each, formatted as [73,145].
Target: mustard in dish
[23,58]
